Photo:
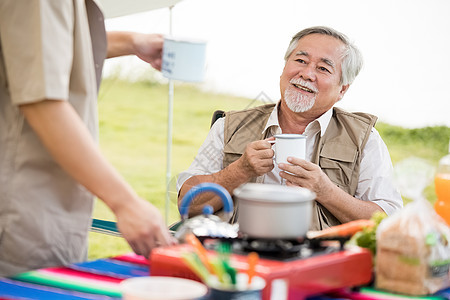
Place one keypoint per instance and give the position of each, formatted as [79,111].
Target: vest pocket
[337,160]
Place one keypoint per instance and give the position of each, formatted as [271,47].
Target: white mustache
[304,83]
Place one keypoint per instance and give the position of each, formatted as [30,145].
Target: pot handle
[202,188]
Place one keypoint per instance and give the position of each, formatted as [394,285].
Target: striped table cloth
[97,279]
[100,279]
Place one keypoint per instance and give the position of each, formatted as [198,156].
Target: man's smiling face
[310,81]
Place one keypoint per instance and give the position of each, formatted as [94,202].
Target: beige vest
[337,152]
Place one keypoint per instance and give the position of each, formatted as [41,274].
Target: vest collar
[320,124]
[272,126]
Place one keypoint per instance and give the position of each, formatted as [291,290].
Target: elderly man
[347,164]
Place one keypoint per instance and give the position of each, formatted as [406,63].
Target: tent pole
[169,149]
[169,134]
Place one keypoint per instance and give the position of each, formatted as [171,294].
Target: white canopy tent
[118,8]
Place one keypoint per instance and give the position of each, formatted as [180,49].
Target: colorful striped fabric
[97,279]
[100,280]
[366,293]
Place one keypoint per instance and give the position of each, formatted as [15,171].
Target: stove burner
[278,249]
[271,246]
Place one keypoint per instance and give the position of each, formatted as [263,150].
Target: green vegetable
[367,237]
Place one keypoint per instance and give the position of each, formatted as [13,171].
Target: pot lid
[273,193]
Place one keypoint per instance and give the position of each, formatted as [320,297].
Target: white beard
[298,102]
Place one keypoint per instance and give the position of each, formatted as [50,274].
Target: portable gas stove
[307,268]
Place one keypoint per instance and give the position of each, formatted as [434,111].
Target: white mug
[289,145]
[183,59]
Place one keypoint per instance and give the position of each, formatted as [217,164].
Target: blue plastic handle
[202,188]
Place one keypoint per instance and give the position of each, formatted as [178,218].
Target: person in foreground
[51,57]
[347,164]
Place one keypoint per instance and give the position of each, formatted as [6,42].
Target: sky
[405,44]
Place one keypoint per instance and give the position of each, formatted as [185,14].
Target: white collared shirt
[376,171]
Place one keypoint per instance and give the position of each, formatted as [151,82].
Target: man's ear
[343,90]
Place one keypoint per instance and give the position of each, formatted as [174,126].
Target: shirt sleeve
[209,158]
[376,182]
[37,50]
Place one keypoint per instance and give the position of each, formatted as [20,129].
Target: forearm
[230,178]
[69,142]
[120,43]
[345,207]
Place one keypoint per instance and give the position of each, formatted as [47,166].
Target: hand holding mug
[289,145]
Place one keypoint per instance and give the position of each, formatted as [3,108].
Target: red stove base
[304,277]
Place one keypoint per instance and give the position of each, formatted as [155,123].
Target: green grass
[133,136]
[428,143]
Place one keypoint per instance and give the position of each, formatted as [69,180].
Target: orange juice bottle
[442,186]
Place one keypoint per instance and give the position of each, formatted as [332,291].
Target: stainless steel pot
[273,211]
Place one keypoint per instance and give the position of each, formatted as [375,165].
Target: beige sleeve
[37,51]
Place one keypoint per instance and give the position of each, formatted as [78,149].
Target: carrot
[200,250]
[346,229]
[252,260]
